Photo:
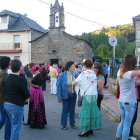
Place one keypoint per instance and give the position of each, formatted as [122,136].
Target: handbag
[80,98]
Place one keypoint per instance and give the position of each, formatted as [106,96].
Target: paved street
[53,130]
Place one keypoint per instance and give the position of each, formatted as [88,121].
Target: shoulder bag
[80,98]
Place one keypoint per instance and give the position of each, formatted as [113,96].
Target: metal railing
[10,46]
[114,71]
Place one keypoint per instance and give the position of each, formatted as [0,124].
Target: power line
[80,17]
[97,10]
[76,15]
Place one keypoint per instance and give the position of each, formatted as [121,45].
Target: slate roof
[6,12]
[22,23]
[136,18]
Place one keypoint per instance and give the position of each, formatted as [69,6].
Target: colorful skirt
[36,115]
[90,116]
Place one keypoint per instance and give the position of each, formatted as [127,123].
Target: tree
[119,51]
[131,48]
[122,41]
[103,50]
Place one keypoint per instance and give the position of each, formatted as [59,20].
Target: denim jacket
[62,91]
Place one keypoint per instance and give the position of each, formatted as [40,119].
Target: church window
[54,51]
[56,19]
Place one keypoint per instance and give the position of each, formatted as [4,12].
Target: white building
[16,31]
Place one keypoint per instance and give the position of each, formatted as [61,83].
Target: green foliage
[119,30]
[101,59]
[95,39]
[100,40]
[121,40]
[131,48]
[106,60]
[103,50]
[98,58]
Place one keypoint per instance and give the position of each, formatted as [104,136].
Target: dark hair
[88,63]
[68,65]
[43,68]
[4,62]
[33,64]
[128,64]
[63,69]
[103,64]
[15,65]
[100,69]
[76,66]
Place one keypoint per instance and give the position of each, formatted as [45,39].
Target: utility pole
[126,44]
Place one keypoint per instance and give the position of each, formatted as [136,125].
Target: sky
[40,12]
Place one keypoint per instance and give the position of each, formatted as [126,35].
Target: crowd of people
[84,81]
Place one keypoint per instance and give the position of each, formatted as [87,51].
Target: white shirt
[50,67]
[9,71]
[88,82]
[127,87]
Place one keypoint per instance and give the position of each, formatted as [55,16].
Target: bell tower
[57,17]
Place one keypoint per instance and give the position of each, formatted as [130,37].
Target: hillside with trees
[100,40]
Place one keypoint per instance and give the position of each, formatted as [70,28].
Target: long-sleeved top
[3,74]
[53,73]
[16,90]
[62,88]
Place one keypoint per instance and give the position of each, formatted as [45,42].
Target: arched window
[56,19]
[54,51]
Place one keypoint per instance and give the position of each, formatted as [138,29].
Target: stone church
[56,45]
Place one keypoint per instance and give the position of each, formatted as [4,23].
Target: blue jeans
[15,113]
[127,111]
[68,106]
[4,119]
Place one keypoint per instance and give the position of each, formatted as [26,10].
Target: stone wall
[112,86]
[66,46]
[137,50]
[35,34]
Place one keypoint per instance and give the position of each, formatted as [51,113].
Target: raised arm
[135,74]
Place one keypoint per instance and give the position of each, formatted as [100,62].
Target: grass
[117,119]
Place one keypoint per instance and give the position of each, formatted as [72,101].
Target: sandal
[63,128]
[73,126]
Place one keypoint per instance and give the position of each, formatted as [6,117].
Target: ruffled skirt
[90,116]
[36,119]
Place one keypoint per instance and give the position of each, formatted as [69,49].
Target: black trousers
[44,84]
[133,121]
[100,98]
[105,79]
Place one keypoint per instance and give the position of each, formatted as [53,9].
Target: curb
[110,112]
